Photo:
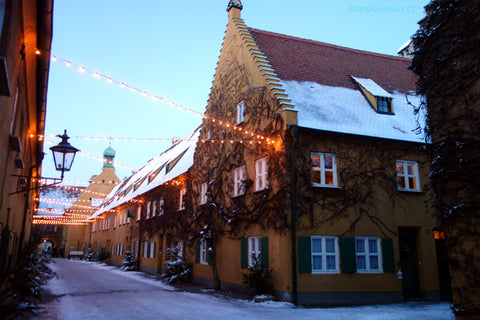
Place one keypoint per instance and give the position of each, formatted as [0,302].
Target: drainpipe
[293,226]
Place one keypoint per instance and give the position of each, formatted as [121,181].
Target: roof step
[287,105]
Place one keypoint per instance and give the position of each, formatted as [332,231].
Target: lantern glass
[63,154]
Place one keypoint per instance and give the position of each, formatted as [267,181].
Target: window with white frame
[325,254]
[203,193]
[368,254]
[148,209]
[113,249]
[254,250]
[145,249]
[180,250]
[139,213]
[136,248]
[407,176]
[161,205]
[125,217]
[324,169]
[240,112]
[261,174]
[154,208]
[183,192]
[240,174]
[203,251]
[152,249]
[114,220]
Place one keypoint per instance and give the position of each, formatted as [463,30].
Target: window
[180,250]
[324,170]
[115,221]
[148,209]
[161,204]
[124,217]
[407,176]
[261,174]
[368,255]
[325,257]
[240,111]
[254,250]
[136,248]
[239,184]
[152,249]
[183,192]
[145,249]
[203,193]
[113,249]
[384,104]
[154,208]
[139,213]
[203,251]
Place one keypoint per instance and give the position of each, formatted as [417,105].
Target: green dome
[109,152]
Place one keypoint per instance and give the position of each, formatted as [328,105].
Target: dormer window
[377,97]
[240,111]
[384,104]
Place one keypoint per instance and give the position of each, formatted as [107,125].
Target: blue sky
[170,49]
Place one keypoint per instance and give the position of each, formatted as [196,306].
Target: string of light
[154,97]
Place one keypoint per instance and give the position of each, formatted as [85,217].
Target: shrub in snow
[258,278]
[90,255]
[129,262]
[176,269]
[102,254]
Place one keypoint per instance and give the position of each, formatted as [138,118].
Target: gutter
[293,225]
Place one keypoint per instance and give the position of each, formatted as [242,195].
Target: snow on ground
[144,296]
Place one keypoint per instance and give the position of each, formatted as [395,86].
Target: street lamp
[63,154]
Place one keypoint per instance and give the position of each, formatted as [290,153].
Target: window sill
[325,272]
[328,186]
[370,272]
[411,191]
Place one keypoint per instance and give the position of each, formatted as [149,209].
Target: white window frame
[113,249]
[183,192]
[139,213]
[136,248]
[114,221]
[180,245]
[239,174]
[407,176]
[154,208]
[323,170]
[367,254]
[324,254]
[124,216]
[145,249]
[161,206]
[261,174]
[254,249]
[240,112]
[149,203]
[152,249]
[203,193]
[203,251]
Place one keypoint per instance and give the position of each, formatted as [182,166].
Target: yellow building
[309,160]
[77,237]
[25,41]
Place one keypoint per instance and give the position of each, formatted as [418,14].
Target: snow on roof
[372,87]
[345,110]
[170,164]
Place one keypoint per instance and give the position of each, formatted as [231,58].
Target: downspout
[293,226]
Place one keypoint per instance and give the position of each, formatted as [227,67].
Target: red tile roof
[307,60]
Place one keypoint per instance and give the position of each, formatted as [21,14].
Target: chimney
[234,7]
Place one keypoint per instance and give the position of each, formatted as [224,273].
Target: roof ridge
[326,44]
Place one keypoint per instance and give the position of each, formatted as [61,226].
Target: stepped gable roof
[326,64]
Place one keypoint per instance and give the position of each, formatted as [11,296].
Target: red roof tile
[307,60]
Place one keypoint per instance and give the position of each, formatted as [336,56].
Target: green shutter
[154,249]
[197,251]
[264,251]
[304,255]
[347,255]
[388,256]
[148,249]
[244,252]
